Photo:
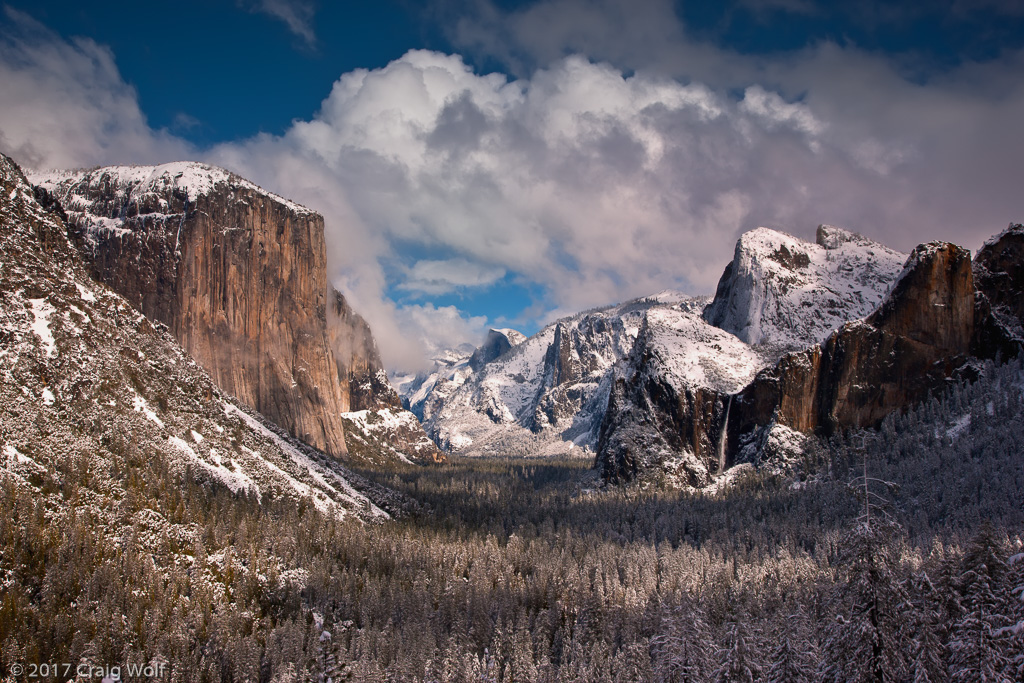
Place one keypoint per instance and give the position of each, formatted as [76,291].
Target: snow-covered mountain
[544,395]
[239,276]
[786,294]
[934,325]
[800,337]
[87,381]
[548,394]
[449,370]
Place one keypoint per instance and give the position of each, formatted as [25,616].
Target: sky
[488,163]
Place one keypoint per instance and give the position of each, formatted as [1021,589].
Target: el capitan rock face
[239,276]
[88,379]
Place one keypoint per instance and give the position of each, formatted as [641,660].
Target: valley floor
[522,570]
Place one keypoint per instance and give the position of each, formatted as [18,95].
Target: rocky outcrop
[86,378]
[239,276]
[670,400]
[917,339]
[360,370]
[999,278]
[495,344]
[926,331]
[785,294]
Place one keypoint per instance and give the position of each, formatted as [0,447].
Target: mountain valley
[149,516]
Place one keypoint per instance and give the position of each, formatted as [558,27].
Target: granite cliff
[239,277]
[932,326]
[91,384]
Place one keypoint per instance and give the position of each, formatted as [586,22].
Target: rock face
[357,359]
[926,330]
[541,396]
[239,276]
[496,344]
[999,277]
[917,338]
[671,397]
[786,294]
[88,379]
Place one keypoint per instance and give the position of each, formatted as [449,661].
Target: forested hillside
[517,570]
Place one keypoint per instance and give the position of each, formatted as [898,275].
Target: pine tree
[792,660]
[1015,631]
[927,652]
[977,650]
[864,644]
[683,648]
[738,660]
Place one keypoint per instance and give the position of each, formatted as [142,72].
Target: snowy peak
[498,341]
[784,293]
[145,188]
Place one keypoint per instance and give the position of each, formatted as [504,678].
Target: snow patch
[41,312]
[140,406]
[85,294]
[234,478]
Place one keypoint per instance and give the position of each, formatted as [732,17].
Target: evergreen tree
[738,660]
[927,651]
[792,660]
[977,648]
[683,648]
[865,643]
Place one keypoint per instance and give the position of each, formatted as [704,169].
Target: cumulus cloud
[65,103]
[438,327]
[589,182]
[600,186]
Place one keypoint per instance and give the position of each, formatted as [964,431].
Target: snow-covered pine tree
[865,643]
[792,659]
[1015,631]
[738,660]
[683,648]
[977,647]
[926,647]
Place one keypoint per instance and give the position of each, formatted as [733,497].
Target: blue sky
[503,163]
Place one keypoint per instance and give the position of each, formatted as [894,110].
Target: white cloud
[588,183]
[297,15]
[440,327]
[449,275]
[65,104]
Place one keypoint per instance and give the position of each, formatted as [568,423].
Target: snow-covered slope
[85,378]
[784,294]
[688,352]
[544,395]
[421,391]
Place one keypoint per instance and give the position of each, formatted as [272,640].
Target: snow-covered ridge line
[324,476]
[785,293]
[195,178]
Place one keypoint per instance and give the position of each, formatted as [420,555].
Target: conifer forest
[526,570]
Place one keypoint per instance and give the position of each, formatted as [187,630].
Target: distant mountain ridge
[800,338]
[239,276]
